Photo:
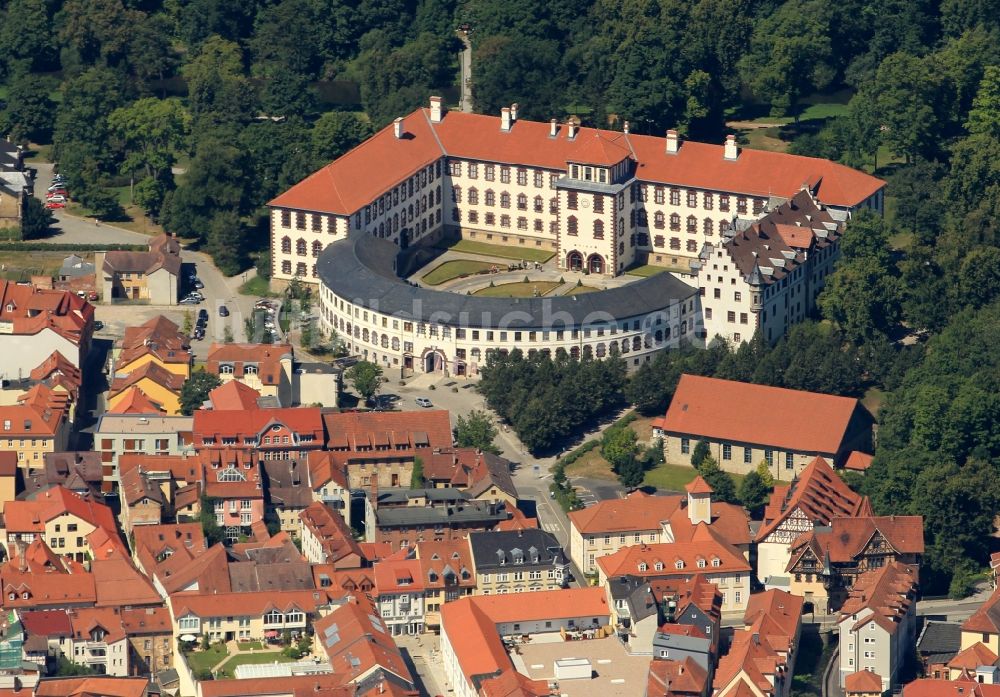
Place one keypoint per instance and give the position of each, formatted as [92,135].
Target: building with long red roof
[600,200]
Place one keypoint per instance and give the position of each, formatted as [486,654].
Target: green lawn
[501,250]
[248,645]
[873,400]
[256,286]
[519,289]
[206,660]
[645,270]
[456,268]
[675,477]
[228,670]
[580,290]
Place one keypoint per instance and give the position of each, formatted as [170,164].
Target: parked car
[188,301]
[59,198]
[424,402]
[98,325]
[203,314]
[57,189]
[92,295]
[197,284]
[51,205]
[196,294]
[223,311]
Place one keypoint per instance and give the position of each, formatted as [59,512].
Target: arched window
[675,222]
[692,224]
[473,196]
[300,247]
[625,346]
[636,343]
[572,225]
[384,341]
[364,335]
[286,244]
[522,202]
[395,343]
[602,350]
[598,229]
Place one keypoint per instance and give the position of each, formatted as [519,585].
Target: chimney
[436,110]
[553,128]
[731,152]
[572,130]
[505,119]
[513,111]
[625,128]
[397,127]
[672,142]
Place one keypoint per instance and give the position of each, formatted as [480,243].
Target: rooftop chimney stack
[672,143]
[553,128]
[572,130]
[513,111]
[625,128]
[731,152]
[397,128]
[436,111]
[505,119]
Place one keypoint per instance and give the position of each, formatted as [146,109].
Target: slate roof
[364,268]
[939,642]
[488,548]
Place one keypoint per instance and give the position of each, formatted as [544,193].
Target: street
[219,290]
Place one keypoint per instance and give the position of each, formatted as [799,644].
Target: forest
[196,112]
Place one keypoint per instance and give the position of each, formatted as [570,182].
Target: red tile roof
[266,358]
[147,620]
[979,654]
[696,590]
[698,486]
[47,590]
[754,659]
[398,576]
[31,515]
[57,363]
[206,605]
[92,686]
[775,616]
[863,681]
[429,428]
[46,622]
[539,605]
[30,421]
[858,461]
[818,493]
[357,642]
[357,178]
[147,371]
[627,560]
[889,592]
[316,684]
[986,619]
[676,678]
[510,683]
[439,557]
[637,512]
[474,639]
[772,416]
[30,310]
[120,584]
[135,401]
[927,687]
[159,337]
[847,538]
[233,396]
[334,535]
[251,423]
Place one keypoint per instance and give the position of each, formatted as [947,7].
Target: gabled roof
[356,179]
[30,310]
[979,654]
[883,596]
[332,531]
[153,372]
[120,584]
[233,396]
[207,605]
[986,619]
[398,576]
[31,515]
[794,420]
[49,623]
[636,512]
[159,337]
[846,538]
[698,485]
[357,642]
[863,681]
[399,431]
[92,687]
[673,678]
[775,616]
[242,424]
[135,401]
[818,493]
[642,559]
[265,358]
[927,687]
[858,461]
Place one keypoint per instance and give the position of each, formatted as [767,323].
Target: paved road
[219,290]
[466,63]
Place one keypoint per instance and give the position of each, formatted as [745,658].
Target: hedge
[43,247]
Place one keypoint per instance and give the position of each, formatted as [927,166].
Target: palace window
[675,222]
[571,225]
[675,197]
[522,202]
[658,194]
[707,201]
[692,199]
[727,451]
[598,229]
[490,198]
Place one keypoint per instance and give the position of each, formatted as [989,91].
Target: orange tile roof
[429,428]
[627,560]
[927,687]
[539,605]
[147,371]
[439,557]
[206,605]
[242,424]
[858,461]
[473,637]
[979,654]
[103,686]
[818,493]
[31,515]
[672,678]
[120,584]
[30,310]
[730,524]
[28,421]
[329,527]
[889,592]
[357,642]
[847,538]
[86,619]
[181,467]
[398,576]
[315,685]
[518,521]
[135,401]
[159,337]
[266,358]
[510,683]
[233,396]
[210,571]
[698,485]
[56,363]
[47,590]
[637,512]
[986,619]
[772,416]
[752,657]
[359,177]
[147,620]
[696,590]
[863,681]
[775,616]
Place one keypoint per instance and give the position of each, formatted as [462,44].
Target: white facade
[22,353]
[872,647]
[402,613]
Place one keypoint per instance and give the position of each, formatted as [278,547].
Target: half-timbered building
[815,497]
[826,562]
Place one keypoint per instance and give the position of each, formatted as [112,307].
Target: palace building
[751,233]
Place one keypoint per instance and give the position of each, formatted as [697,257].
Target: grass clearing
[249,645]
[456,268]
[668,477]
[15,265]
[591,465]
[520,289]
[206,660]
[873,400]
[257,287]
[500,250]
[228,669]
[766,139]
[580,290]
[646,270]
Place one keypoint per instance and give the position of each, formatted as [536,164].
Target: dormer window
[250,370]
[716,561]
[701,563]
[25,595]
[658,566]
[12,596]
[225,369]
[642,566]
[679,564]
[10,307]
